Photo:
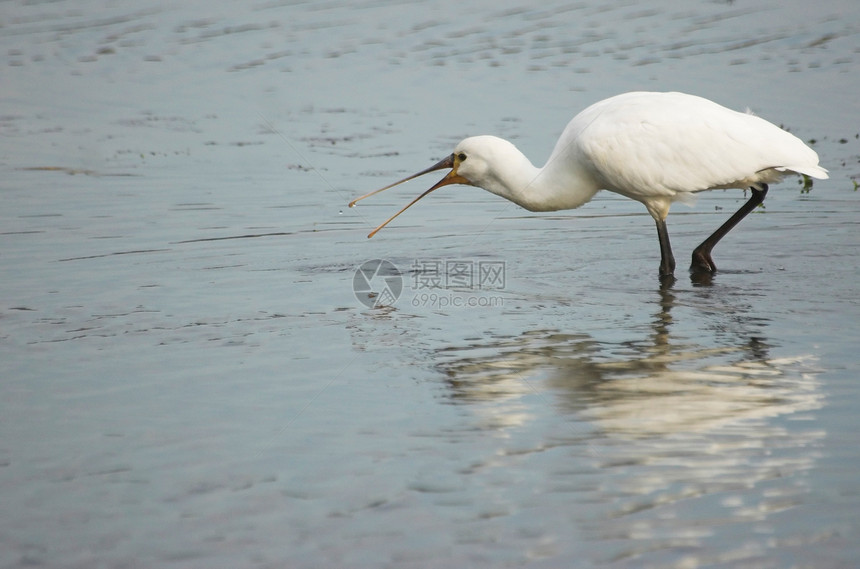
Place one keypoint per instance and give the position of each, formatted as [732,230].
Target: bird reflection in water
[648,432]
[657,386]
[649,444]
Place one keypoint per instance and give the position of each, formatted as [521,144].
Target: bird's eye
[461,157]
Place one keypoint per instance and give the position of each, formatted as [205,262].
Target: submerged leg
[667,260]
[702,261]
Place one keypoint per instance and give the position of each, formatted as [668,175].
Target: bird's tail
[811,171]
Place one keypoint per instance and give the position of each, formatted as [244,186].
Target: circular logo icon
[377,283]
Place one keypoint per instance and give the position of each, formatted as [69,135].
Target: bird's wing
[671,144]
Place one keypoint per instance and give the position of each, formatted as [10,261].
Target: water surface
[189,380]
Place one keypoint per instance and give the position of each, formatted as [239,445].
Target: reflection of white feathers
[682,391]
[705,399]
[659,427]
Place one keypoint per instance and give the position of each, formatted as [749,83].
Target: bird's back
[666,145]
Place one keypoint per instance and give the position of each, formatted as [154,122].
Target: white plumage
[655,148]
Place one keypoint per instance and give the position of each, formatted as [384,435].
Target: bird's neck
[560,184]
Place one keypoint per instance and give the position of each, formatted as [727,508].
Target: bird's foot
[702,268]
[667,266]
[702,262]
[667,281]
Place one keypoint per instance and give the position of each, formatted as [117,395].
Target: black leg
[702,261]
[667,260]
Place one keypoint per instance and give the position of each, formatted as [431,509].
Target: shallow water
[189,380]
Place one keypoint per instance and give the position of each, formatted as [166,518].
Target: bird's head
[469,164]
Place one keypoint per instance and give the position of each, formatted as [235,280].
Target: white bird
[655,148]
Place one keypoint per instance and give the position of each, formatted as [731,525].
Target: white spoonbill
[655,148]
